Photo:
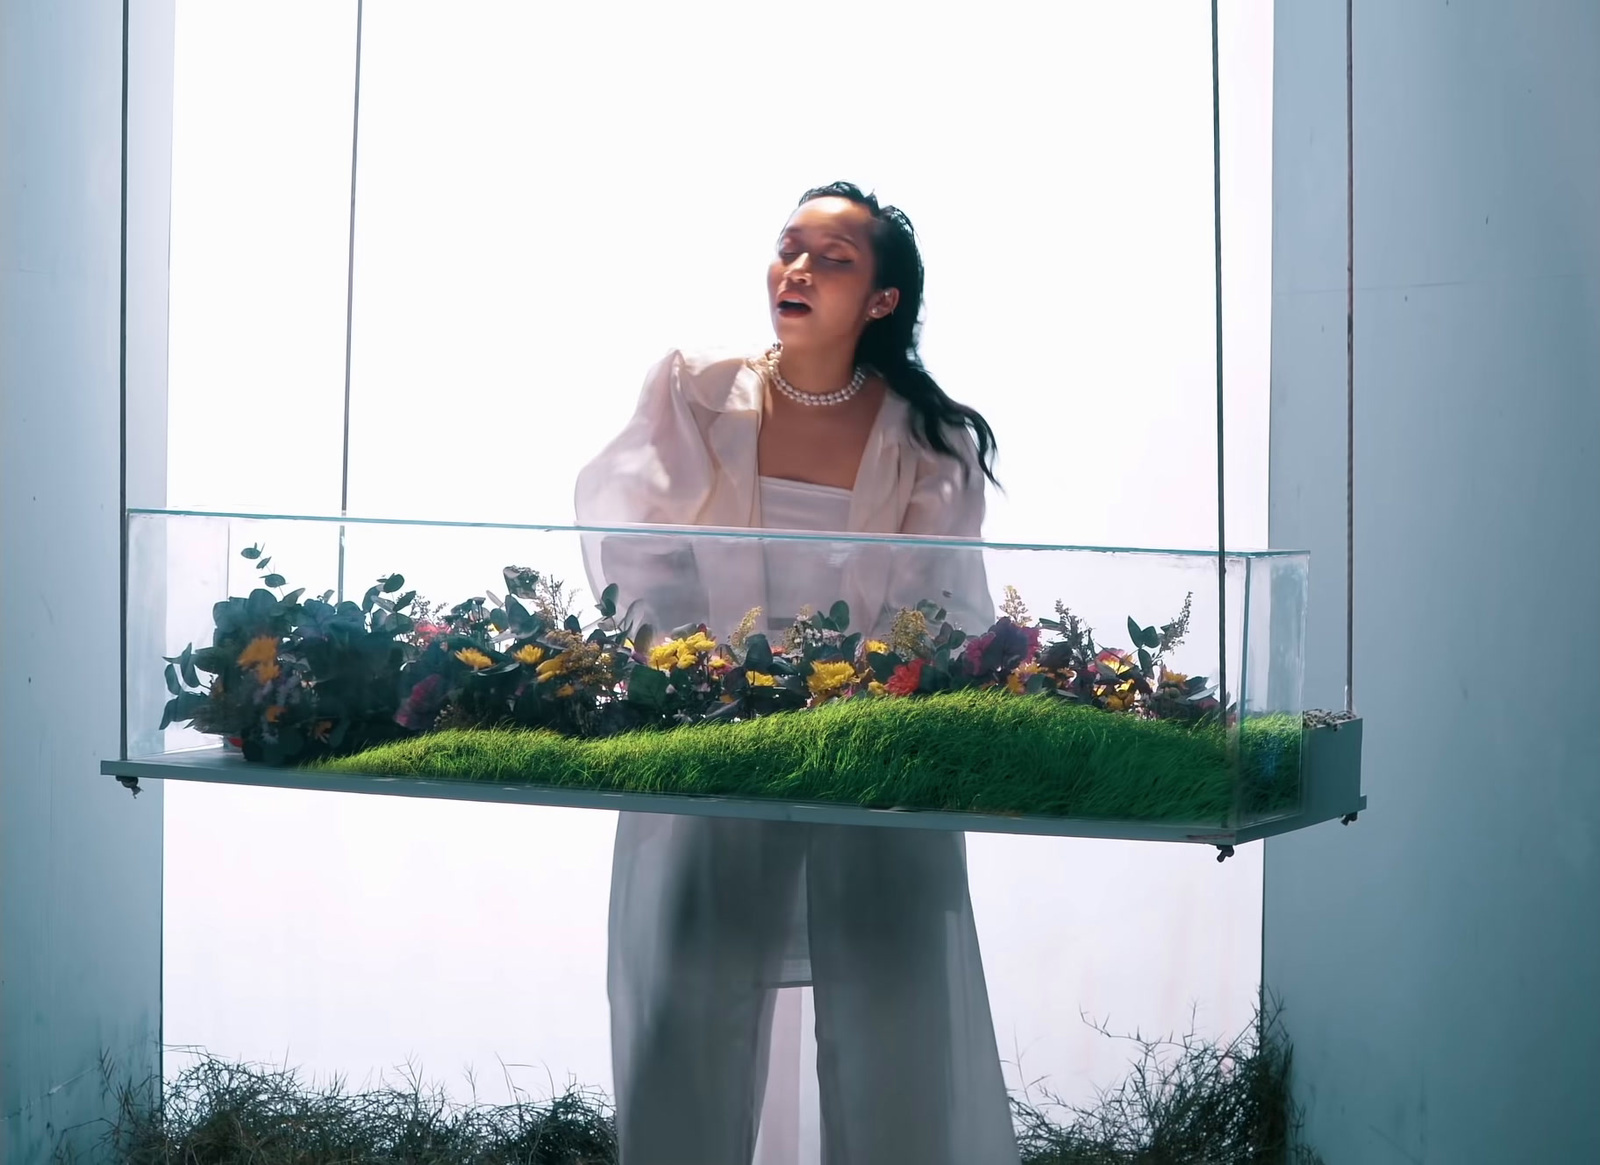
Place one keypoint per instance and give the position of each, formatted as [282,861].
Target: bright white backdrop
[549,199]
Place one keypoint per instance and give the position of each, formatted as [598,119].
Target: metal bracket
[1224,852]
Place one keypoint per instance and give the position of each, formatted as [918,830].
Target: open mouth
[793,307]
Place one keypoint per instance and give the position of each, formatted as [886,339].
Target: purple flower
[422,706]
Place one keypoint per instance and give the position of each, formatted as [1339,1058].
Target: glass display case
[880,680]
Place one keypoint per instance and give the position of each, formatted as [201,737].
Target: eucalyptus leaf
[643,637]
[608,601]
[251,552]
[647,688]
[393,583]
[173,686]
[839,615]
[758,653]
[274,580]
[186,667]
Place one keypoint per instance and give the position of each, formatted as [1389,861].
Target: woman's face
[820,283]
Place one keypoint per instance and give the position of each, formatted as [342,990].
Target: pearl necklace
[836,397]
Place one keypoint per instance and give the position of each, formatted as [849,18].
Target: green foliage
[294,679]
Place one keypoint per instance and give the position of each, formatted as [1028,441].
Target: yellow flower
[551,668]
[474,658]
[262,649]
[564,691]
[682,653]
[827,678]
[760,679]
[267,672]
[530,654]
[719,664]
[1173,678]
[876,688]
[876,647]
[1017,681]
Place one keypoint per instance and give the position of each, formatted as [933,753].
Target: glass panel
[1124,726]
[1272,645]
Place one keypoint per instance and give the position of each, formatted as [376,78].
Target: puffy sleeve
[657,471]
[948,501]
[947,495]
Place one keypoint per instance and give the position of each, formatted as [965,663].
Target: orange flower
[274,713]
[262,649]
[262,656]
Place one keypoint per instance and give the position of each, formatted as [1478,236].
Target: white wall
[80,860]
[538,219]
[1438,959]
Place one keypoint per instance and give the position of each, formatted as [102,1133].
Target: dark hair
[889,344]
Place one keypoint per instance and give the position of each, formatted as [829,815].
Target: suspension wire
[350,295]
[1216,228]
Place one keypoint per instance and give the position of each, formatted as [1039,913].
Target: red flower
[907,678]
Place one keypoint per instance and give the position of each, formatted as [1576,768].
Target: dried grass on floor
[1187,1100]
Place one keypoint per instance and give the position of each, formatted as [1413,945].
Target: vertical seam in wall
[1350,360]
[122,414]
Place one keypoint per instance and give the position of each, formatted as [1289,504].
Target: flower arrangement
[293,679]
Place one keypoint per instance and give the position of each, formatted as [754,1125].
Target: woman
[839,428]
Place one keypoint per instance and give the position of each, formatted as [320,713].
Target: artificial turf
[981,752]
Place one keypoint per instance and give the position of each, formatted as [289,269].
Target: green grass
[982,752]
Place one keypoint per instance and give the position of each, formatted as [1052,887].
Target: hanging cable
[1216,230]
[350,297]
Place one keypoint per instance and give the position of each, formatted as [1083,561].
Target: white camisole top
[801,574]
